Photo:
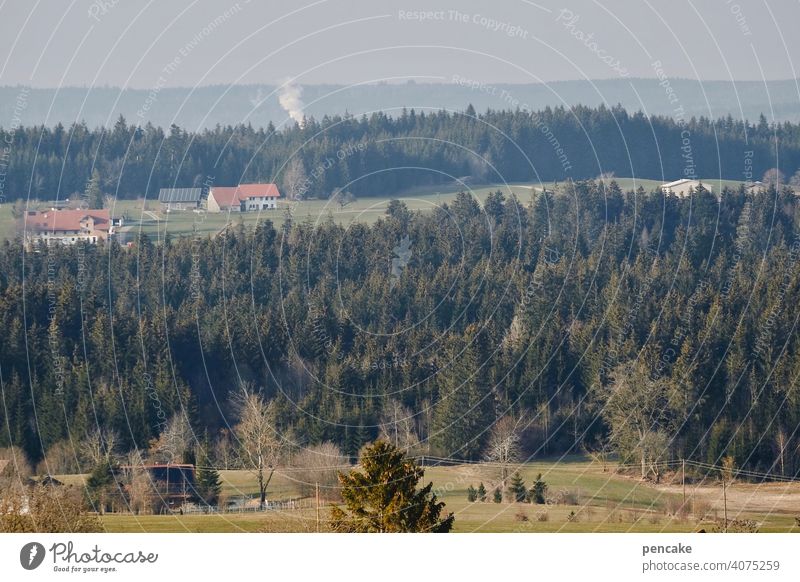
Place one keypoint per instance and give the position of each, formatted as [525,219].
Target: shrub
[520,516]
[542,516]
[700,509]
[319,464]
[675,506]
[572,517]
[566,497]
[736,526]
[45,508]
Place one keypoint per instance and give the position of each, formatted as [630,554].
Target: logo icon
[31,555]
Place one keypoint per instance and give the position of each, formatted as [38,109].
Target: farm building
[682,188]
[69,226]
[243,198]
[172,484]
[180,198]
[755,187]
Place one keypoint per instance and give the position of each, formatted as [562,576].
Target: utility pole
[725,504]
[317,488]
[683,479]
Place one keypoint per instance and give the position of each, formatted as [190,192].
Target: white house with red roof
[243,198]
[69,226]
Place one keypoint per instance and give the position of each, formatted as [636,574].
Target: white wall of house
[260,203]
[252,204]
[212,203]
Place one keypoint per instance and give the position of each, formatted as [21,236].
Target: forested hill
[380,154]
[661,327]
[207,106]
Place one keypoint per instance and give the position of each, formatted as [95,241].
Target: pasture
[145,216]
[593,500]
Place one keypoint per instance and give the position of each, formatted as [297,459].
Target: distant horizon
[206,106]
[399,83]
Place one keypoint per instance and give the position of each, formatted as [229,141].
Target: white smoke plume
[290,100]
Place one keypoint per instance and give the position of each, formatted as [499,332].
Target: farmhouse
[180,198]
[172,484]
[682,188]
[69,226]
[243,198]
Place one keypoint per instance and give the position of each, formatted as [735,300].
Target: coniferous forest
[134,161]
[658,327]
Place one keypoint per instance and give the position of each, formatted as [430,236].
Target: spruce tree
[93,193]
[517,489]
[209,485]
[538,492]
[481,493]
[465,403]
[382,496]
[99,485]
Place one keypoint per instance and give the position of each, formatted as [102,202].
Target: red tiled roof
[66,220]
[233,195]
[252,190]
[225,195]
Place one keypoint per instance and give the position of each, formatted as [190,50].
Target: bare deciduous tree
[503,447]
[224,451]
[98,446]
[295,180]
[343,198]
[141,491]
[60,459]
[319,464]
[174,441]
[781,444]
[14,466]
[637,409]
[600,453]
[397,426]
[261,445]
[774,177]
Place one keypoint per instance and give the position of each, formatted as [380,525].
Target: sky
[188,43]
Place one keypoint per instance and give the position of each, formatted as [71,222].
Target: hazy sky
[137,43]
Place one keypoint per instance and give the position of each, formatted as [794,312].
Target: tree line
[585,319]
[317,158]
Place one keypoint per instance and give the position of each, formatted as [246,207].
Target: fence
[289,505]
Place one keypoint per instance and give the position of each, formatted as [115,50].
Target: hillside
[205,107]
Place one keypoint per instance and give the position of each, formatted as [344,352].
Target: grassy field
[7,226]
[602,501]
[147,217]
